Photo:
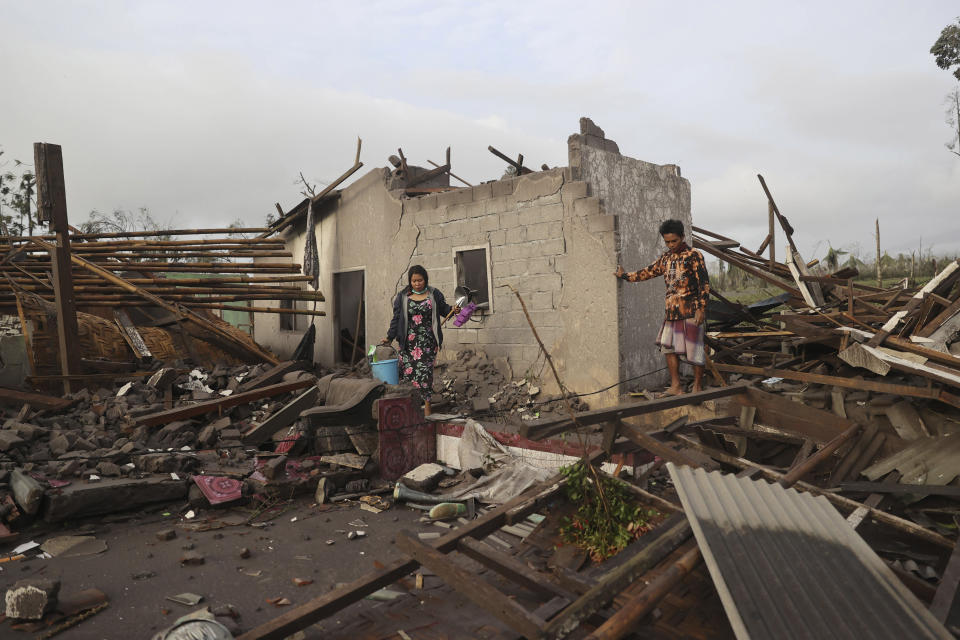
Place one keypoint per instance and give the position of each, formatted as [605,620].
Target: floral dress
[417,358]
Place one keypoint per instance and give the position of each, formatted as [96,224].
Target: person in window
[417,314]
[688,287]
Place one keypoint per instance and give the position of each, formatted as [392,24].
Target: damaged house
[555,235]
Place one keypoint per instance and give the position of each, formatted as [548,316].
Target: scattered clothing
[684,272]
[685,338]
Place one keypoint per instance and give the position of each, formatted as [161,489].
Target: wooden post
[879,275]
[52,207]
[771,235]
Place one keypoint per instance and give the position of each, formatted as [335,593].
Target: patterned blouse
[685,274]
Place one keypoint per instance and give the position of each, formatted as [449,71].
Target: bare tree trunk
[913,269]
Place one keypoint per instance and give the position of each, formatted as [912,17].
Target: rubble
[31,599]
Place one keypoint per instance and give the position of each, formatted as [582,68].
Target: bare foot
[674,391]
[697,388]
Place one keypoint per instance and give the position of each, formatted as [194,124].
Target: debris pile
[477,385]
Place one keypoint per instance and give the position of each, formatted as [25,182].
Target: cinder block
[551,247]
[586,207]
[483,191]
[504,187]
[439,216]
[422,218]
[537,185]
[466,336]
[539,265]
[434,231]
[548,213]
[475,209]
[457,212]
[540,300]
[601,223]
[516,235]
[497,238]
[542,282]
[509,219]
[539,231]
[428,202]
[574,190]
[450,198]
[489,222]
[469,227]
[410,205]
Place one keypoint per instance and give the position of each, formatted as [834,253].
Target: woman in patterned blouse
[688,287]
[417,311]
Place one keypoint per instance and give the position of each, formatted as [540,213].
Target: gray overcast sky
[205,112]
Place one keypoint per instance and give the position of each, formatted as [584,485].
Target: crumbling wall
[549,240]
[642,195]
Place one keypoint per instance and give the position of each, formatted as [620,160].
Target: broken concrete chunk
[166,534]
[274,467]
[191,559]
[9,439]
[26,491]
[423,478]
[32,599]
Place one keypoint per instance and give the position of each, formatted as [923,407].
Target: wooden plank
[946,595]
[873,500]
[663,541]
[825,452]
[131,335]
[284,417]
[639,437]
[52,207]
[479,591]
[927,330]
[912,304]
[623,622]
[319,608]
[39,401]
[849,383]
[949,491]
[218,404]
[793,417]
[223,338]
[272,375]
[540,429]
[511,568]
[704,245]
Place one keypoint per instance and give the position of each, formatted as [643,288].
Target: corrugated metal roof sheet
[787,564]
[933,461]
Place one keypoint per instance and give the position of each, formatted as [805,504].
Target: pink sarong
[683,337]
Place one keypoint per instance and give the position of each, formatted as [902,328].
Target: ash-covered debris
[481,386]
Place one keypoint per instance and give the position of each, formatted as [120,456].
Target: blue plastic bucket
[386,370]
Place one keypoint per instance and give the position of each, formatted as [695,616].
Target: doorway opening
[349,316]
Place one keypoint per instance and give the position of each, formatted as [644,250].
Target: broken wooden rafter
[285,222]
[412,181]
[319,608]
[516,164]
[452,174]
[544,428]
[227,340]
[218,404]
[913,303]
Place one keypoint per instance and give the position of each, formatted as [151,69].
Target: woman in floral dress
[417,313]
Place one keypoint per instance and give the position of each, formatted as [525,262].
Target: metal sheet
[787,565]
[934,461]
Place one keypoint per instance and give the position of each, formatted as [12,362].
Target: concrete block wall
[551,241]
[643,195]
